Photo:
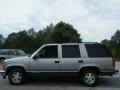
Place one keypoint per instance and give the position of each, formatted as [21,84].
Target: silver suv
[88,61]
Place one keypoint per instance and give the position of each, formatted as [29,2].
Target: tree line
[114,44]
[30,40]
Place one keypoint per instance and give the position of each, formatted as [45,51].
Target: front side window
[49,52]
[70,51]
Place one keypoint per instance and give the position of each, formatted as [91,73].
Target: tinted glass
[20,52]
[70,51]
[97,50]
[49,52]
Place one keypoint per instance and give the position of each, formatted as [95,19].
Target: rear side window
[70,51]
[97,50]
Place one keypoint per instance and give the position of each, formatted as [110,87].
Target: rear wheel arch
[95,68]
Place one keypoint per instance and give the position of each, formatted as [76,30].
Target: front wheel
[89,77]
[16,77]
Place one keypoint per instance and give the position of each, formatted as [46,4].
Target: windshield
[21,52]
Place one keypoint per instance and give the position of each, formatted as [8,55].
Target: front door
[47,60]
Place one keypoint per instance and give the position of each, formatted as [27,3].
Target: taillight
[113,62]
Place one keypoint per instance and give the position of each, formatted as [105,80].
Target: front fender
[9,68]
[15,65]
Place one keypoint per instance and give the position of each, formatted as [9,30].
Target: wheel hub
[16,77]
[90,78]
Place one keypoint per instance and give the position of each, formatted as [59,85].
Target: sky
[95,20]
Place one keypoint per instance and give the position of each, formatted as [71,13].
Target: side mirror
[36,56]
[41,55]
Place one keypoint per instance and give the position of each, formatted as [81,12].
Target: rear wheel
[89,77]
[16,77]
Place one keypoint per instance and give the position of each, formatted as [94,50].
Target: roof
[73,43]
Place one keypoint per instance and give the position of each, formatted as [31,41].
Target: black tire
[21,77]
[89,77]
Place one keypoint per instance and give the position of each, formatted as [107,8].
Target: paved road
[105,83]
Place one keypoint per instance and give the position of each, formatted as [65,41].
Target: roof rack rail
[77,43]
[69,43]
[89,42]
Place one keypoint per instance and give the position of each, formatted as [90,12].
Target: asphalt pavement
[105,83]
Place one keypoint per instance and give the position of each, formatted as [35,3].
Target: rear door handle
[57,61]
[80,61]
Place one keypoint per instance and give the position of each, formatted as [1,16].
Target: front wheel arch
[15,67]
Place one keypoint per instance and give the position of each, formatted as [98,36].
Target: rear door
[70,58]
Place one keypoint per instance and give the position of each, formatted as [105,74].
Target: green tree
[114,44]
[1,40]
[29,40]
[116,38]
[20,40]
[64,33]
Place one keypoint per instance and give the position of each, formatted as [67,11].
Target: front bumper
[2,73]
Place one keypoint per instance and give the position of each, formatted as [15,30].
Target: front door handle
[80,61]
[57,61]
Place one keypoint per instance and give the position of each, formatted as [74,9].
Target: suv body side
[87,61]
[67,65]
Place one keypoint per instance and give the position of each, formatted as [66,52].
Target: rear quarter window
[97,50]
